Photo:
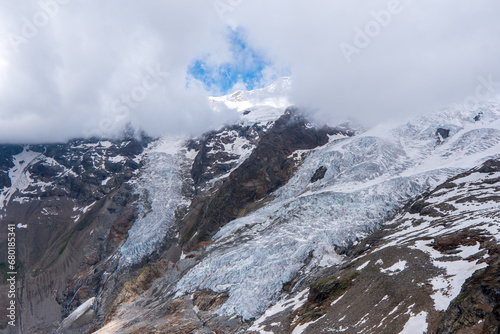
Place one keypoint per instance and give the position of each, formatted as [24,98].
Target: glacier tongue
[19,175]
[368,178]
[159,188]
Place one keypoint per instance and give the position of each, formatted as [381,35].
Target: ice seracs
[368,178]
[160,194]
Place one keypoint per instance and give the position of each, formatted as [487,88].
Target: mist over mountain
[72,69]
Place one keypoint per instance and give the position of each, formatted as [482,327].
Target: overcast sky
[71,68]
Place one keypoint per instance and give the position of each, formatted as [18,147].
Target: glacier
[19,174]
[369,177]
[160,194]
[166,161]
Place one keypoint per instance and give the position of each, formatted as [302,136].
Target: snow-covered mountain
[273,224]
[263,104]
[368,178]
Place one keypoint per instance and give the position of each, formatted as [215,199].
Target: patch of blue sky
[246,67]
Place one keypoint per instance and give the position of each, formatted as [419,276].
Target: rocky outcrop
[220,152]
[6,153]
[319,174]
[477,308]
[442,134]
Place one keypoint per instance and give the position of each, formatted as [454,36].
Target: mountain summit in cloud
[80,63]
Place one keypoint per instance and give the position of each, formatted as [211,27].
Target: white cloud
[429,55]
[69,72]
[62,81]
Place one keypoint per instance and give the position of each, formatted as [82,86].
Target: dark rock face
[330,288]
[478,117]
[442,134]
[213,160]
[6,153]
[319,174]
[490,166]
[269,167]
[78,207]
[477,307]
[119,230]
[4,180]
